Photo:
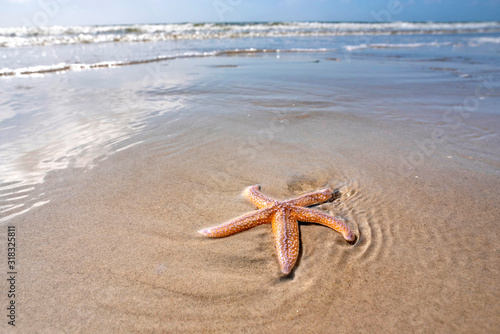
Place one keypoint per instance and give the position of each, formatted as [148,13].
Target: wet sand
[116,248]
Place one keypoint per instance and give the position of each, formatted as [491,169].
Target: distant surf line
[14,37]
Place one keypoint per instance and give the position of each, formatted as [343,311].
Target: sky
[86,12]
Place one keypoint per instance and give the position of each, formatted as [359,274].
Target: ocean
[32,50]
[119,142]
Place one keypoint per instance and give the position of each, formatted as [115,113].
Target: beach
[113,170]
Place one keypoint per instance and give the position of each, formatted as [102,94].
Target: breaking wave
[61,35]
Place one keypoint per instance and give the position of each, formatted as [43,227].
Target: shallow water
[78,119]
[108,174]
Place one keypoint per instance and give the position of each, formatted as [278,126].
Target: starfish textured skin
[284,217]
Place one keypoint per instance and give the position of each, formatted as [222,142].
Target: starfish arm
[316,197]
[313,216]
[286,238]
[239,224]
[256,197]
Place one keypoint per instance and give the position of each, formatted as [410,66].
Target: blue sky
[81,12]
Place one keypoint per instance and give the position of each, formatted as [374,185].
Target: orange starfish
[283,216]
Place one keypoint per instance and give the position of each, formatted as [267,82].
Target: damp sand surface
[115,247]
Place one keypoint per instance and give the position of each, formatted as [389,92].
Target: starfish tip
[204,232]
[286,270]
[352,240]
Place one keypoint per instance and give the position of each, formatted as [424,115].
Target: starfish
[283,216]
